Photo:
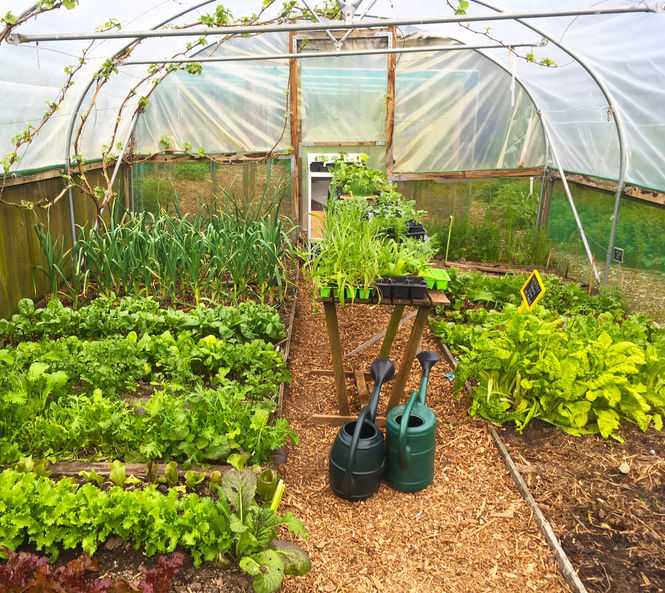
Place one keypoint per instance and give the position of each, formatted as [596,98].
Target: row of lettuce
[122,379]
[227,525]
[576,361]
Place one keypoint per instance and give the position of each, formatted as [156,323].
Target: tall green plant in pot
[348,255]
[357,180]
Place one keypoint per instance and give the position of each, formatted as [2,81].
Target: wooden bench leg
[393,326]
[332,326]
[408,357]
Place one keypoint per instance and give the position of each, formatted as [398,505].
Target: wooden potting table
[434,299]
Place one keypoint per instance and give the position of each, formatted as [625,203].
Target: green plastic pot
[349,292]
[436,278]
[366,293]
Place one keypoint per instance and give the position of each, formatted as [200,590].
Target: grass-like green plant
[236,250]
[56,257]
[350,253]
[507,232]
[356,250]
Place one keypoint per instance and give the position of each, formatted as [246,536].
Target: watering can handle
[352,451]
[403,424]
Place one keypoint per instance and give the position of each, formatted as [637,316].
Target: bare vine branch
[461,8]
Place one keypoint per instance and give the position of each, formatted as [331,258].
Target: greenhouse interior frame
[217,172]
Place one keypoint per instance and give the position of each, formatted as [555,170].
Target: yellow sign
[532,291]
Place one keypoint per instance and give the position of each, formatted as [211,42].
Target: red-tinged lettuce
[35,574]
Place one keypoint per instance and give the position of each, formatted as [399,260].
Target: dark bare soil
[125,562]
[605,501]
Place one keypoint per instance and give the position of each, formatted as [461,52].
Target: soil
[609,517]
[121,562]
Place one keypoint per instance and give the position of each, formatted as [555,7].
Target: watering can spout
[382,371]
[427,360]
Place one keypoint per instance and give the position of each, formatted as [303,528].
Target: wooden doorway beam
[295,129]
[390,103]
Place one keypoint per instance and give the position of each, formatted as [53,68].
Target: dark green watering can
[411,436]
[357,458]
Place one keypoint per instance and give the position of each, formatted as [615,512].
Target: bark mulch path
[469,531]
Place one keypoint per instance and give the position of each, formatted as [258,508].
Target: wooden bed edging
[287,345]
[565,565]
[138,470]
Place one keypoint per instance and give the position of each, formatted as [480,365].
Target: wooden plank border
[139,470]
[55,173]
[488,174]
[633,191]
[287,345]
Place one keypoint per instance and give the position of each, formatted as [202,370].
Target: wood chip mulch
[469,531]
[605,501]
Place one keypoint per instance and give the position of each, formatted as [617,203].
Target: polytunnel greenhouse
[332,296]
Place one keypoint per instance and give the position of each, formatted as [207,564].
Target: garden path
[468,532]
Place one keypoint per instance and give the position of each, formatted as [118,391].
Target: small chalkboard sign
[618,255]
[532,291]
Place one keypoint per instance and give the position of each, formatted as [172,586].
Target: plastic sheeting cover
[626,51]
[230,107]
[455,111]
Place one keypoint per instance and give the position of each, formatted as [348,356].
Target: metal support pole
[542,183]
[618,122]
[117,168]
[318,20]
[590,255]
[332,25]
[343,39]
[321,54]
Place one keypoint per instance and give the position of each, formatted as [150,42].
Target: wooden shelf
[434,298]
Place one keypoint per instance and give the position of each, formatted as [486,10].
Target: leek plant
[229,252]
[55,257]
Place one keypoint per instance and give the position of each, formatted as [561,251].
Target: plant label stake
[532,291]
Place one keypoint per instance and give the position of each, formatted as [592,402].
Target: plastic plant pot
[401,287]
[365,293]
[418,289]
[436,278]
[326,291]
[384,288]
[349,292]
[418,235]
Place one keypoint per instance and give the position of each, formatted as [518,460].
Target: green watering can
[411,436]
